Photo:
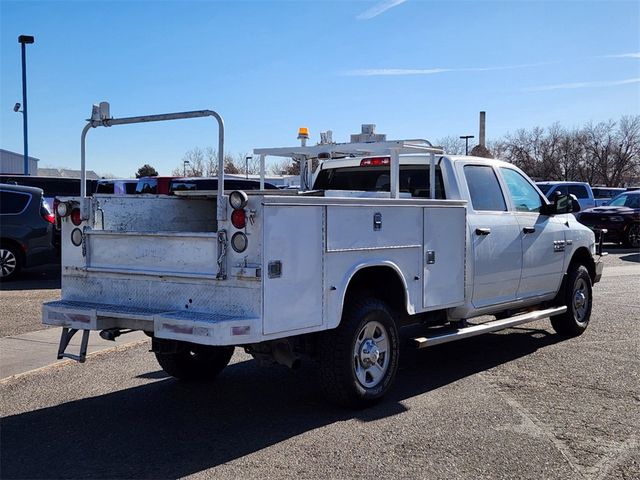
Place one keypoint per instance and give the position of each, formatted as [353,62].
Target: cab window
[525,197]
[580,191]
[484,189]
[414,179]
[147,185]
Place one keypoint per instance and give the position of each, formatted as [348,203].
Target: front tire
[632,239]
[579,299]
[359,359]
[195,362]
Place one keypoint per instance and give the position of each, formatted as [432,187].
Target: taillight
[239,219]
[375,161]
[75,216]
[46,213]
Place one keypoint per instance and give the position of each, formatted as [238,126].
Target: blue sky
[415,68]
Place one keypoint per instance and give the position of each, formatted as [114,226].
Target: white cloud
[380,72]
[566,86]
[623,55]
[379,8]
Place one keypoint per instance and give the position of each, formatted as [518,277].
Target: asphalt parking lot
[522,403]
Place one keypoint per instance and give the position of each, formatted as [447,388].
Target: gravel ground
[21,300]
[521,403]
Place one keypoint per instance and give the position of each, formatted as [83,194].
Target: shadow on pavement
[169,429]
[634,257]
[46,277]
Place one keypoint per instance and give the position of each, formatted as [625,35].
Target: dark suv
[26,230]
[621,219]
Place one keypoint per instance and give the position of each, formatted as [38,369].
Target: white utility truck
[383,235]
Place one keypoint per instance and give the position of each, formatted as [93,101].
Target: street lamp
[466,143]
[24,40]
[184,167]
[246,165]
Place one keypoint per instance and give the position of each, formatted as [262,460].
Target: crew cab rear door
[495,237]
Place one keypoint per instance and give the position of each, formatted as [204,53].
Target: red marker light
[75,217]
[375,162]
[238,218]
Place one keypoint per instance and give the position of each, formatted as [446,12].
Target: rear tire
[10,262]
[195,362]
[579,299]
[359,359]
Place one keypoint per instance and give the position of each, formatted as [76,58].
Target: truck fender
[349,275]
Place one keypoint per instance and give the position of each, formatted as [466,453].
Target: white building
[12,163]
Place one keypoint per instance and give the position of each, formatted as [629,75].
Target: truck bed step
[451,335]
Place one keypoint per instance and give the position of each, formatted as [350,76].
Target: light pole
[466,143]
[184,167]
[246,166]
[24,40]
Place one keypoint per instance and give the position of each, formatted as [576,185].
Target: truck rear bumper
[195,327]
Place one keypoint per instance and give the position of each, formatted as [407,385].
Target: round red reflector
[75,216]
[239,218]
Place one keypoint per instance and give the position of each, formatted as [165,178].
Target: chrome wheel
[633,235]
[580,300]
[8,262]
[370,354]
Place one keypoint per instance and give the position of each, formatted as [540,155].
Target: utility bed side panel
[444,257]
[373,227]
[292,267]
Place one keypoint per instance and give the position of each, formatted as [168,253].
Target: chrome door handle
[483,231]
[529,230]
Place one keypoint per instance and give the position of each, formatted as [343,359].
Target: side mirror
[561,204]
[565,204]
[575,204]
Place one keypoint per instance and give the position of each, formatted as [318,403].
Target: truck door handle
[529,230]
[483,231]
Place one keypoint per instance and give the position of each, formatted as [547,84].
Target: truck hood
[611,211]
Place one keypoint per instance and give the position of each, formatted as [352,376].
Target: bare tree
[285,167]
[451,145]
[192,165]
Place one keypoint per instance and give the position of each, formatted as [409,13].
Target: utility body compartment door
[292,268]
[443,256]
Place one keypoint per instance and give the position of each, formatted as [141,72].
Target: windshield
[544,187]
[414,179]
[147,185]
[626,200]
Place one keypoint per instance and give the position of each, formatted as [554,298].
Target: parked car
[581,190]
[201,183]
[154,185]
[119,186]
[26,230]
[52,186]
[603,195]
[621,219]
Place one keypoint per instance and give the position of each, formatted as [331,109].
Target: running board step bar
[452,335]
